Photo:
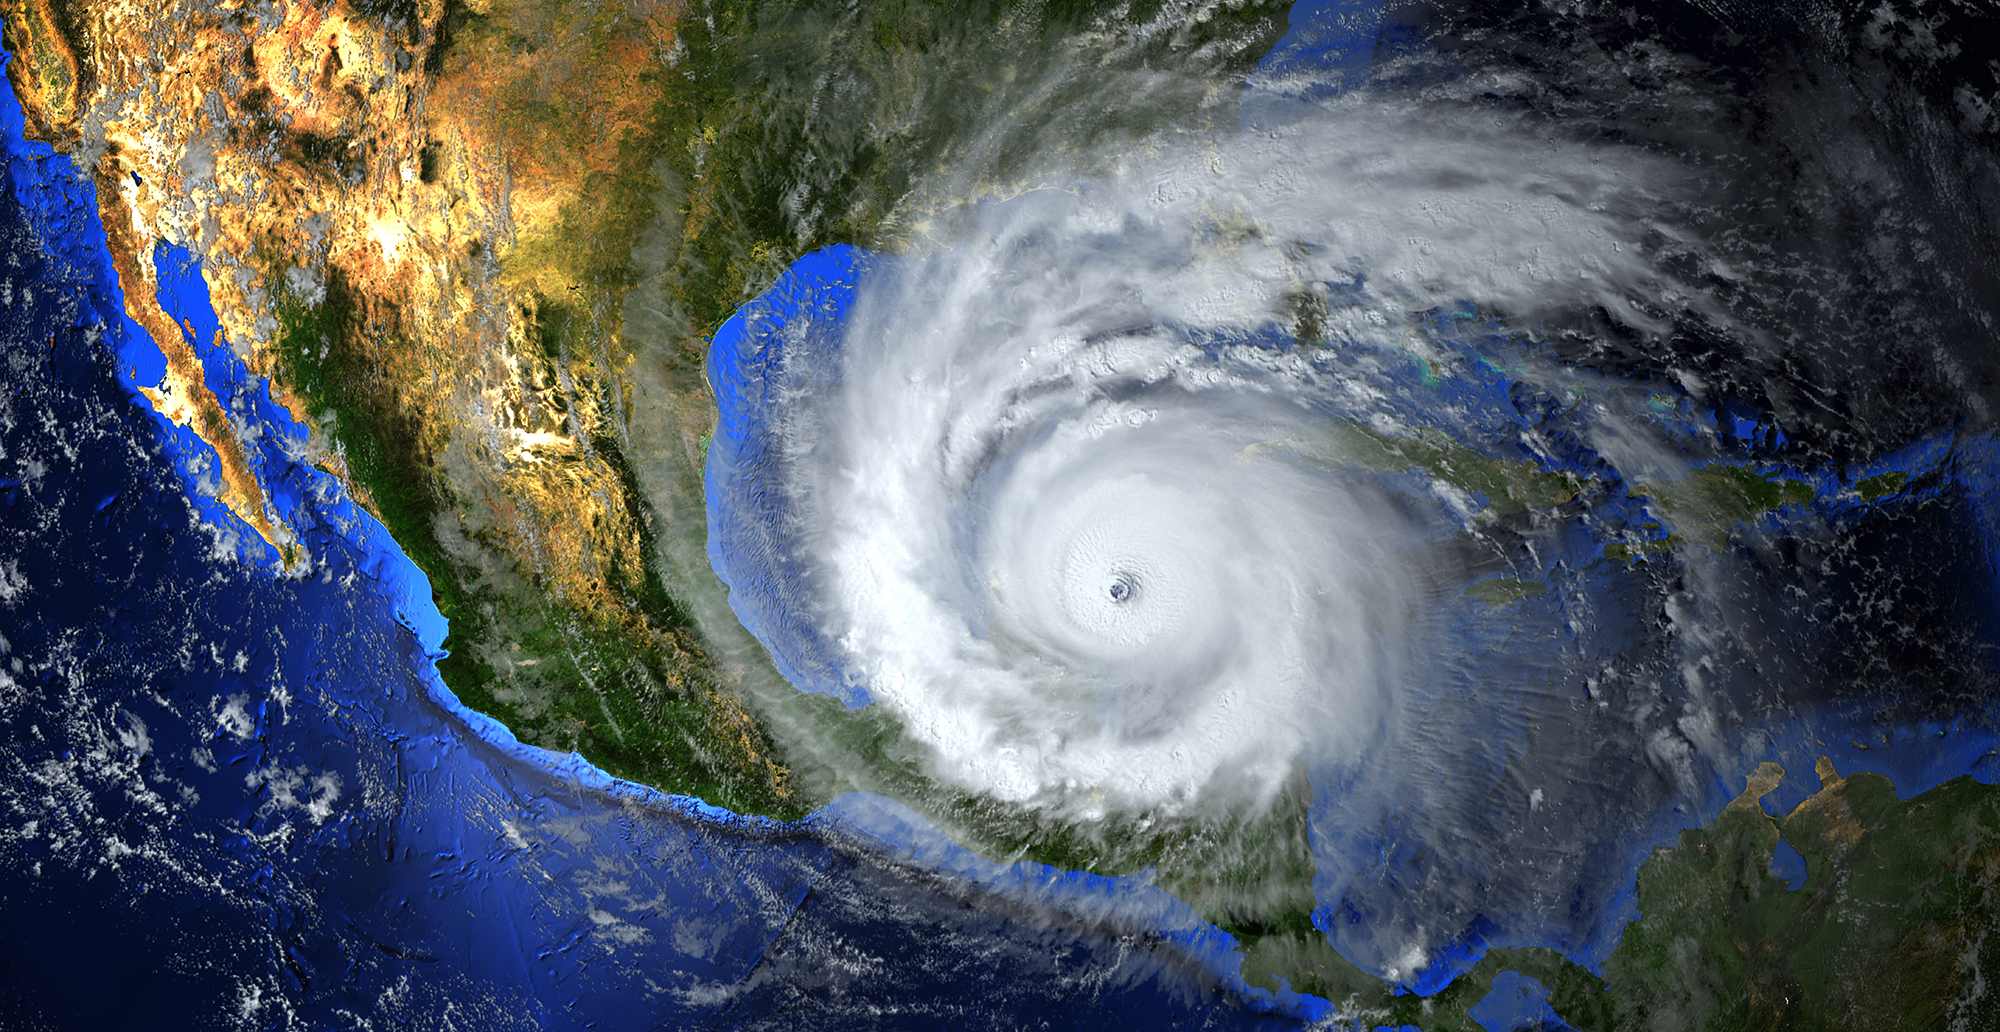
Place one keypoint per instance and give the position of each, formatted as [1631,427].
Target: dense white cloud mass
[1051,496]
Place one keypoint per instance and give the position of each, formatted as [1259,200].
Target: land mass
[480,246]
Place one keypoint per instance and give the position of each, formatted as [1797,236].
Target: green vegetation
[757,159]
[774,128]
[1712,500]
[761,133]
[1574,993]
[1254,881]
[321,363]
[1892,921]
[793,126]
[1880,486]
[1509,487]
[45,39]
[1892,930]
[644,710]
[790,126]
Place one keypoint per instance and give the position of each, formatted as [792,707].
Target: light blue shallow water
[1535,777]
[262,778]
[239,798]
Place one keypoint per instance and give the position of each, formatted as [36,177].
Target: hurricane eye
[1123,588]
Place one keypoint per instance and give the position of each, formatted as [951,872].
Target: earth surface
[1344,515]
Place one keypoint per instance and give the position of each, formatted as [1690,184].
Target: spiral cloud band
[1111,596]
[1482,434]
[1038,486]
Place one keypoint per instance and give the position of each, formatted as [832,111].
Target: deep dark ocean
[234,792]
[238,799]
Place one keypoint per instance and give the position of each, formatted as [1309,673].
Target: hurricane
[1021,514]
[1070,498]
[1437,443]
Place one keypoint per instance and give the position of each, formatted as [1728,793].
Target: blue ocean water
[792,327]
[1566,716]
[237,796]
[792,333]
[1789,864]
[1508,690]
[1517,1003]
[242,798]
